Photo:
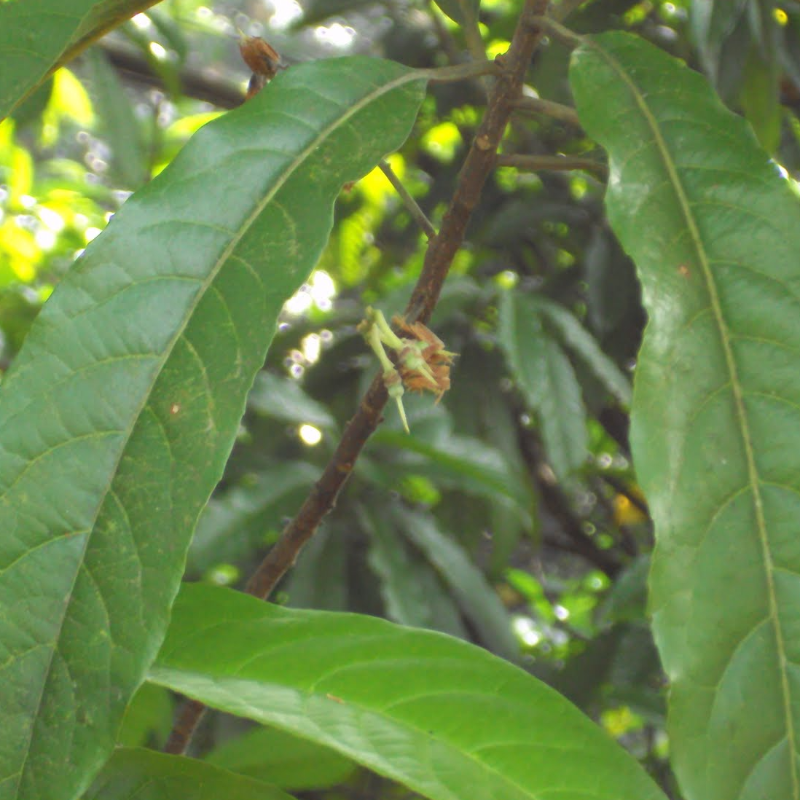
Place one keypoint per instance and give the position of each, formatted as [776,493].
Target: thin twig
[534,163]
[458,72]
[410,203]
[558,31]
[442,248]
[557,111]
[473,38]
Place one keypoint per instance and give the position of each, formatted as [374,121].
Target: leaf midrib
[290,169]
[741,414]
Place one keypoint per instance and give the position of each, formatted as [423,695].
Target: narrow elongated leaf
[285,400]
[445,718]
[412,592]
[119,413]
[715,233]
[478,600]
[473,466]
[585,347]
[134,774]
[233,526]
[36,36]
[120,126]
[711,24]
[547,381]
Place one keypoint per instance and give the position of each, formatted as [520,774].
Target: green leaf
[547,381]
[232,526]
[585,347]
[121,409]
[711,24]
[477,599]
[282,759]
[320,579]
[759,98]
[148,718]
[412,592]
[466,462]
[446,719]
[285,400]
[119,124]
[134,774]
[36,36]
[715,233]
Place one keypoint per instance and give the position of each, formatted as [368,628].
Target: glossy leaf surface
[134,774]
[715,233]
[443,717]
[36,36]
[121,409]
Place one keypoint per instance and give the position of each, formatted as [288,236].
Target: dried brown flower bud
[261,57]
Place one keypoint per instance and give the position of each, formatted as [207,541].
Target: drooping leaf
[320,578]
[282,759]
[715,233]
[477,599]
[284,399]
[711,24]
[585,347]
[759,98]
[412,592]
[148,718]
[547,381]
[36,36]
[134,774]
[447,719]
[119,123]
[119,413]
[248,517]
[475,467]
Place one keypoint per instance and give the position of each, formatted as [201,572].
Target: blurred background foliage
[510,516]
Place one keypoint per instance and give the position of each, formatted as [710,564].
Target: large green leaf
[36,36]
[119,413]
[445,718]
[715,233]
[134,774]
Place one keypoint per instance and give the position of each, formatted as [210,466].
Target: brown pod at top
[261,57]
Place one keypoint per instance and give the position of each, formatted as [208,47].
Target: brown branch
[557,31]
[441,250]
[534,163]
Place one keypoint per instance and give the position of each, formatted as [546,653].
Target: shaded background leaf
[145,775]
[36,36]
